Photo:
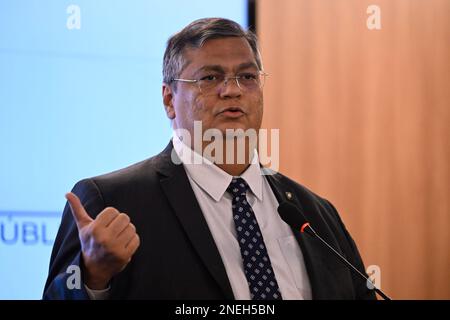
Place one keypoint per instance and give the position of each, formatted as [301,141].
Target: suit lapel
[320,276]
[175,184]
[178,191]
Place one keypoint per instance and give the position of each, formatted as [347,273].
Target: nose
[230,88]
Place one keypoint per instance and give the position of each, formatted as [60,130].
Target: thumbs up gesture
[107,243]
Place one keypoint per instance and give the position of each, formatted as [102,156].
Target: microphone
[295,218]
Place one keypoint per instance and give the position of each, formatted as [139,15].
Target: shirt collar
[210,177]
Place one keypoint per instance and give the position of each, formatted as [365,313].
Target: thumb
[79,213]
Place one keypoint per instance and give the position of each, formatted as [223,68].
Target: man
[210,230]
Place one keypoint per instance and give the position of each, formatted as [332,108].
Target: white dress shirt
[209,184]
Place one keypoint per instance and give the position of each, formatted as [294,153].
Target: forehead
[226,52]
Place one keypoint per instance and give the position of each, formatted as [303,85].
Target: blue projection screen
[80,95]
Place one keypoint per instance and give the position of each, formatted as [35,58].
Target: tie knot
[238,186]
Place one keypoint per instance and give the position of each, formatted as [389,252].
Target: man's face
[227,56]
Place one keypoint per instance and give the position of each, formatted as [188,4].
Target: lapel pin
[288,195]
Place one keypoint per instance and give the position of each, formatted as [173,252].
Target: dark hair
[195,35]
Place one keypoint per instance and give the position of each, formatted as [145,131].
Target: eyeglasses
[248,81]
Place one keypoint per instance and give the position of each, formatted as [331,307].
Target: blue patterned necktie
[257,267]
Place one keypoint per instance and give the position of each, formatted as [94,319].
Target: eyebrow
[219,68]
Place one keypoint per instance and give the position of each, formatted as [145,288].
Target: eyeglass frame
[225,80]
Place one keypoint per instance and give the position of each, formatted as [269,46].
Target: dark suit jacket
[177,258]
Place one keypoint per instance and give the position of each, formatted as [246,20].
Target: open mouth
[233,112]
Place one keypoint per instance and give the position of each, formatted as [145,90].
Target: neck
[233,155]
[236,155]
[234,169]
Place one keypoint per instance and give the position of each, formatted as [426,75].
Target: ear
[168,97]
